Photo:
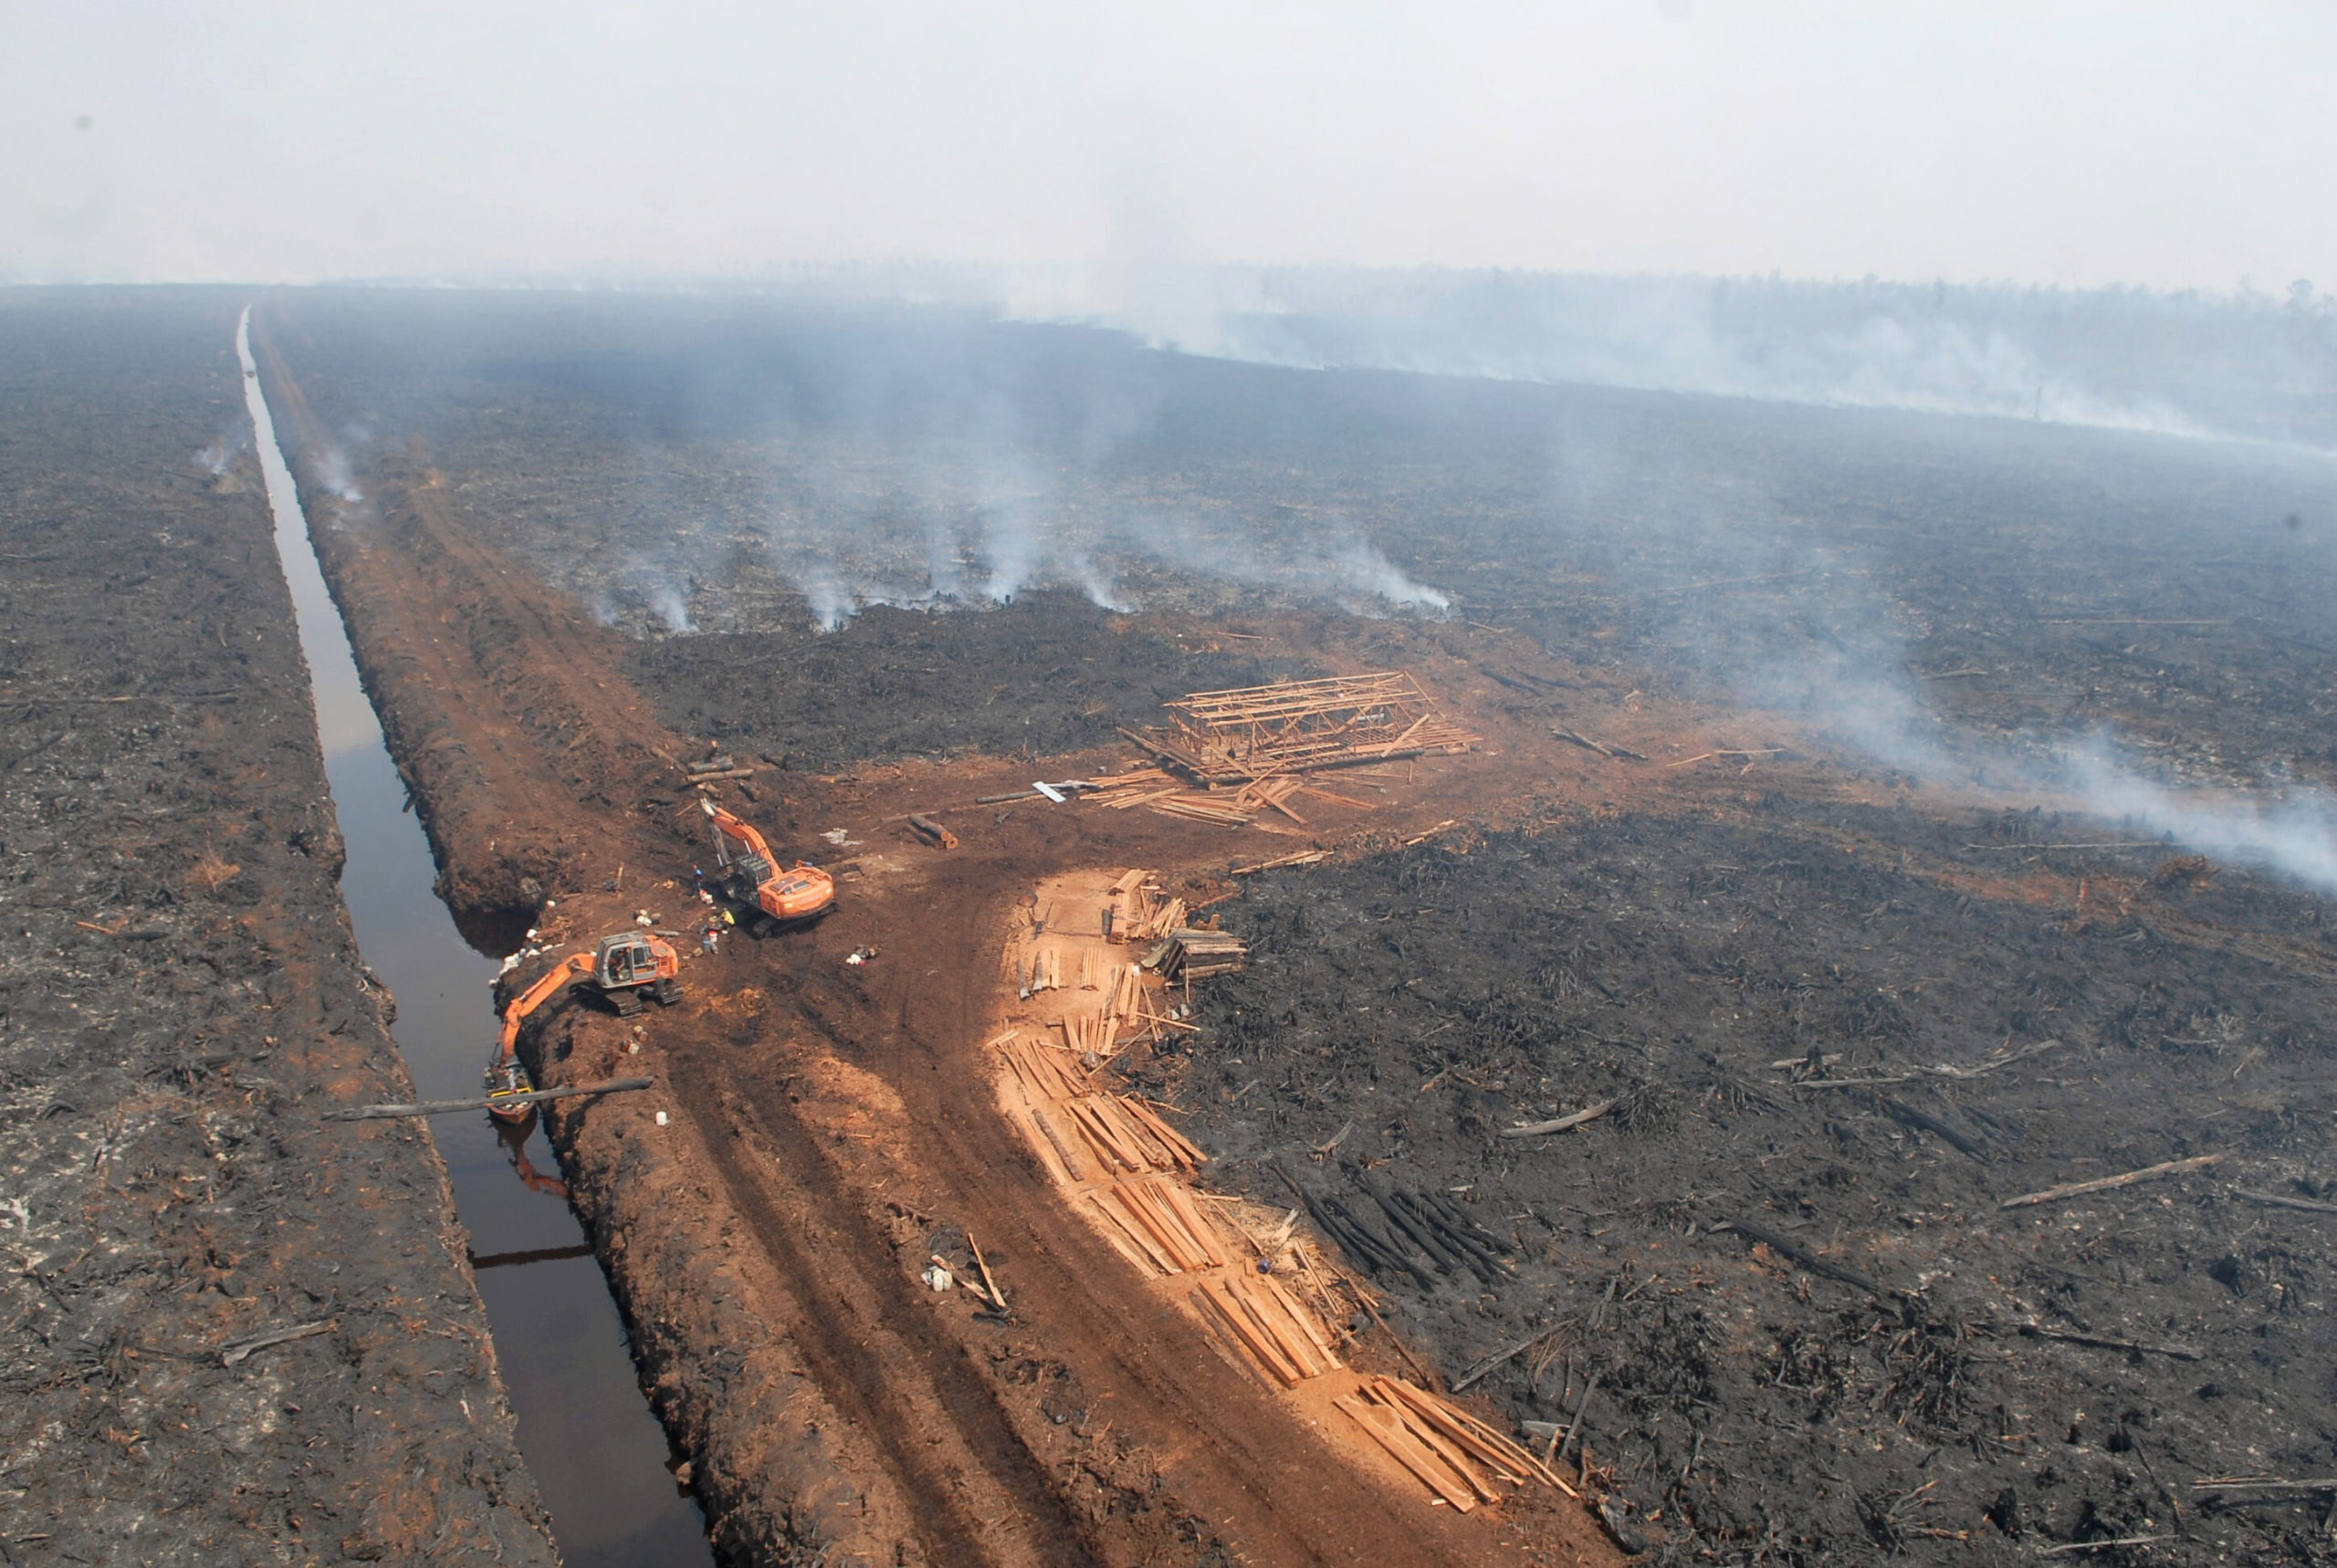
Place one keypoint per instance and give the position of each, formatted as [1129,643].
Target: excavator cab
[626,960]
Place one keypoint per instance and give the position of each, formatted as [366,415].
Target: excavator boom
[744,832]
[556,979]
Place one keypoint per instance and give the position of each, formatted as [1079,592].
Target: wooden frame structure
[1296,726]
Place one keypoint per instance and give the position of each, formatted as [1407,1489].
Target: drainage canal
[598,1455]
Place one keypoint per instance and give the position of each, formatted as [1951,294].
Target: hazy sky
[2079,143]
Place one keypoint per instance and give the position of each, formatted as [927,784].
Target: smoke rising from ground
[1811,630]
[757,466]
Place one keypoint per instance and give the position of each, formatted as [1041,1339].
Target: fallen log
[446,1107]
[933,833]
[2079,1188]
[1798,1253]
[1908,1116]
[2106,1341]
[1303,857]
[1503,1356]
[238,1352]
[1561,1124]
[1599,747]
[2078,1548]
[2281,1200]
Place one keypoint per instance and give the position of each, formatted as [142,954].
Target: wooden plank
[1121,1233]
[1071,1163]
[1169,1207]
[1384,1428]
[1435,1441]
[1134,1198]
[1248,1335]
[1143,1199]
[1093,1112]
[1040,1145]
[1325,1353]
[1272,1313]
[1179,1200]
[1185,1152]
[1488,1446]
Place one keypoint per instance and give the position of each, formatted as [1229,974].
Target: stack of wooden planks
[1158,1227]
[1450,1451]
[1197,955]
[1140,912]
[1087,1030]
[1252,733]
[1122,1131]
[1261,1318]
[1092,1135]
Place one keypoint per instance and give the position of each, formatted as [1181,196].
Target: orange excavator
[623,967]
[757,893]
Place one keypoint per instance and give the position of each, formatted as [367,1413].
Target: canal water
[599,1457]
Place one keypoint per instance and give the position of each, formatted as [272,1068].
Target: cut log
[2106,1184]
[446,1107]
[1562,1124]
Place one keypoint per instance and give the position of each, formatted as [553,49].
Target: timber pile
[1450,1451]
[1160,791]
[1197,955]
[1254,734]
[1092,1135]
[1139,912]
[1136,911]
[1122,1131]
[1268,1324]
[1158,1227]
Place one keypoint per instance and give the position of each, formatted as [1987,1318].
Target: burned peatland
[1770,1288]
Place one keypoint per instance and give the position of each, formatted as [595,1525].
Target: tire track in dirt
[1277,1491]
[1022,1520]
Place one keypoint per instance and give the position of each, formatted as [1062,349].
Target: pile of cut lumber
[1246,807]
[1261,1320]
[1158,1227]
[1139,912]
[1251,734]
[1093,1135]
[1122,1131]
[1047,1073]
[1191,955]
[1451,1453]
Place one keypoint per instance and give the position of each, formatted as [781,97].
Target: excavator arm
[558,977]
[725,824]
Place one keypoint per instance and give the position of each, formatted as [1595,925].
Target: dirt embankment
[232,1332]
[827,1129]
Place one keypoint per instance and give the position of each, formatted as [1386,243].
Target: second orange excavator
[624,967]
[758,895]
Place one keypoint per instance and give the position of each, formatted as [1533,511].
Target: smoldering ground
[2037,613]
